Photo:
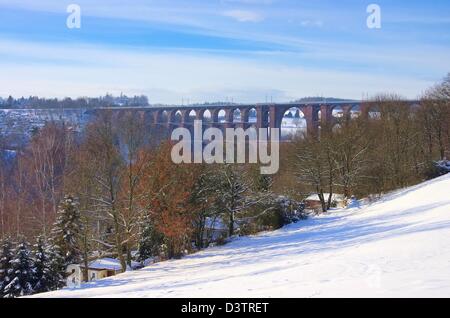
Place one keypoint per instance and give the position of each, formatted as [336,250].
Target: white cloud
[310,23]
[244,15]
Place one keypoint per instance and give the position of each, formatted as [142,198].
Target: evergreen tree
[43,273]
[57,267]
[150,240]
[22,273]
[68,230]
[6,256]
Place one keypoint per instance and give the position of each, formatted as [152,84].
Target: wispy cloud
[72,70]
[244,15]
[309,23]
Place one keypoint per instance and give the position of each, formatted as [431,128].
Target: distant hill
[321,99]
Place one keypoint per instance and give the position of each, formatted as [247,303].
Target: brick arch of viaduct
[267,116]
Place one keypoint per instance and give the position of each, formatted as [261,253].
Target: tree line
[35,102]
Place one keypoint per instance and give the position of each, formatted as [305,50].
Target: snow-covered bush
[437,169]
[291,211]
[443,166]
[276,213]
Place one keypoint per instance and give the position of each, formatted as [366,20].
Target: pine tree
[43,273]
[57,267]
[149,240]
[68,230]
[6,256]
[22,273]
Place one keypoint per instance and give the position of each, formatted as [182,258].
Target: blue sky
[213,50]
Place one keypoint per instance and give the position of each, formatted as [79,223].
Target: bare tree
[105,165]
[234,193]
[349,149]
[312,164]
[132,137]
[436,117]
[45,162]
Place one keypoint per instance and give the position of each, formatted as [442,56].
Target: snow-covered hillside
[399,246]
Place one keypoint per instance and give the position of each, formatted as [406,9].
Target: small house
[97,269]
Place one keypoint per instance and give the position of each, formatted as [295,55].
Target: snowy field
[397,247]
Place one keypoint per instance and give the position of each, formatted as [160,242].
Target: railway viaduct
[246,115]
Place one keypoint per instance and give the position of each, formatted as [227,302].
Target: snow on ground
[396,247]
